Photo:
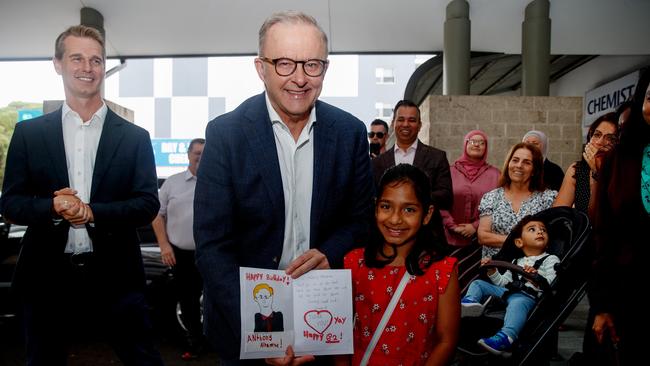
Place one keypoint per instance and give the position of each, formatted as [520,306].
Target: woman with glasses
[581,177]
[553,174]
[471,178]
[621,222]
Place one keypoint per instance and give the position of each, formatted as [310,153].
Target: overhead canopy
[148,28]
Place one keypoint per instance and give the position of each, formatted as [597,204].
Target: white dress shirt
[405,156]
[296,160]
[81,140]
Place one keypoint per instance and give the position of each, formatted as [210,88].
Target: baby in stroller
[531,239]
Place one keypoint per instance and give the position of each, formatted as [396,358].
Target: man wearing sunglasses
[284,182]
[377,137]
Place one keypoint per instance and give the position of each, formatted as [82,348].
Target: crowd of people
[286,181]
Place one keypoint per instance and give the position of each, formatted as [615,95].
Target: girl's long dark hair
[428,247]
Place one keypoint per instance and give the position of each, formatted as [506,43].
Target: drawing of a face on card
[312,313]
[265,298]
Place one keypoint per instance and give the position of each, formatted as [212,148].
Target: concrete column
[456,53]
[92,18]
[536,49]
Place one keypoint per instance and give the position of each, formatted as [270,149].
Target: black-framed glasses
[286,66]
[380,135]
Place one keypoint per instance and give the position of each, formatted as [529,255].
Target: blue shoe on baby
[470,307]
[498,344]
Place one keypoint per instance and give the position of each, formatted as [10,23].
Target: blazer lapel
[259,133]
[324,155]
[108,143]
[56,147]
[390,157]
[419,160]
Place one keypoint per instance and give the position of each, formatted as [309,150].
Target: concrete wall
[505,120]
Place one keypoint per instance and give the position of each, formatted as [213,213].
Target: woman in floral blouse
[521,192]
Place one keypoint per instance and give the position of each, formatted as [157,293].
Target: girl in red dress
[423,327]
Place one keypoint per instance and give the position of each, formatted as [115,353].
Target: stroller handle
[535,278]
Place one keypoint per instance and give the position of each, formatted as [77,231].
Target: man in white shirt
[173,229]
[284,183]
[82,179]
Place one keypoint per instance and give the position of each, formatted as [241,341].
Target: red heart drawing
[318,320]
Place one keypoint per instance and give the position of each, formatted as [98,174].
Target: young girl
[423,327]
[531,238]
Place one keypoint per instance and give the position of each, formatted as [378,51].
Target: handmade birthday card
[312,313]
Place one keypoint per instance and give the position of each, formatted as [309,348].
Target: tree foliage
[8,118]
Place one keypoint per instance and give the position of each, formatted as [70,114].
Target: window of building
[384,76]
[384,110]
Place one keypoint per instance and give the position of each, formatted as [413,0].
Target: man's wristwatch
[594,175]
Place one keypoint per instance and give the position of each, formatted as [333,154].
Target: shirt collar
[275,117]
[99,116]
[188,175]
[413,146]
[536,257]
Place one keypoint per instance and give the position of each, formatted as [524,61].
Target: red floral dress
[408,337]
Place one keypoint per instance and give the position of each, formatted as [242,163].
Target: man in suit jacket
[408,149]
[285,180]
[82,179]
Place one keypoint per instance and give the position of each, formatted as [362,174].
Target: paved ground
[570,338]
[90,353]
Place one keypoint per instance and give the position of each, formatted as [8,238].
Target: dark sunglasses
[379,134]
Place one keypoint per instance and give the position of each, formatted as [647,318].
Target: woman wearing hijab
[553,174]
[471,177]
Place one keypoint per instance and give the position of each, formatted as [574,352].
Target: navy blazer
[430,160]
[123,197]
[239,203]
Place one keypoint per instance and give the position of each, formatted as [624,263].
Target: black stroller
[569,231]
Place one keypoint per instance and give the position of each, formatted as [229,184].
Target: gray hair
[292,17]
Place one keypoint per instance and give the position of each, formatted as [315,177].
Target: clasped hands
[67,205]
[465,230]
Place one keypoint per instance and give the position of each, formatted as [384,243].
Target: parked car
[9,248]
[159,292]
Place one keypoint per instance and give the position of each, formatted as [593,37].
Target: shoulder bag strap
[384,319]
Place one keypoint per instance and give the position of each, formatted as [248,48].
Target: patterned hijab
[468,167]
[542,137]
